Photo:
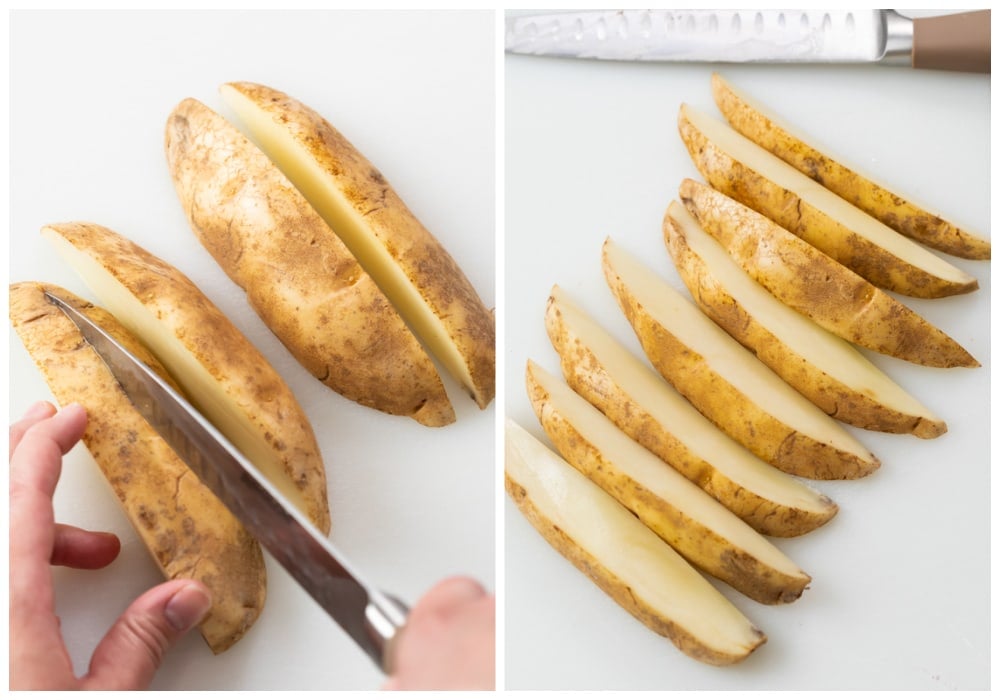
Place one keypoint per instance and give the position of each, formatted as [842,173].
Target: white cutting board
[900,593]
[90,93]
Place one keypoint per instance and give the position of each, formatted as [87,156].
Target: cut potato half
[638,570]
[761,126]
[819,287]
[410,265]
[186,529]
[724,381]
[700,528]
[223,374]
[653,414]
[827,370]
[736,166]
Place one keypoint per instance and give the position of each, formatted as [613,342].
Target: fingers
[41,442]
[83,549]
[37,412]
[133,648]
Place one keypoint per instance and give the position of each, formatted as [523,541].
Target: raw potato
[700,528]
[624,558]
[819,287]
[185,527]
[417,274]
[221,371]
[753,121]
[649,411]
[741,169]
[298,275]
[724,381]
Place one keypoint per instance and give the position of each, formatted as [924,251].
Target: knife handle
[957,42]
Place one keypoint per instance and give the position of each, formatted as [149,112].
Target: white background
[900,592]
[89,95]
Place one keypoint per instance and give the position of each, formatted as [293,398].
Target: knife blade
[951,42]
[372,618]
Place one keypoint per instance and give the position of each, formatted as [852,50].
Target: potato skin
[785,208]
[819,287]
[891,209]
[298,275]
[185,527]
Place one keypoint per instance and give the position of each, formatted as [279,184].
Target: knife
[372,618]
[957,42]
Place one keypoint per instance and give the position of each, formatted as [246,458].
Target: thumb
[132,650]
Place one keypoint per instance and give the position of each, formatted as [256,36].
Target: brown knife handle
[958,42]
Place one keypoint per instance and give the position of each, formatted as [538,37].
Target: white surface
[900,592]
[90,94]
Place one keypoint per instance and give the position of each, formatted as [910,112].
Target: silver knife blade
[372,618]
[727,36]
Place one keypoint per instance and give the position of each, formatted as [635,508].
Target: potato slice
[700,528]
[763,128]
[298,275]
[221,371]
[410,265]
[736,166]
[649,411]
[185,527]
[724,381]
[624,558]
[819,287]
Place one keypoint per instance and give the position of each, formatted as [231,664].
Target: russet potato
[637,569]
[188,531]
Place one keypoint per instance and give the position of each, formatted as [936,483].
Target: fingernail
[187,607]
[39,409]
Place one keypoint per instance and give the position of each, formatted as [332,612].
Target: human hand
[448,642]
[131,651]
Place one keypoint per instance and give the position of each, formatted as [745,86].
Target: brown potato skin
[587,376]
[819,287]
[785,208]
[298,275]
[422,258]
[735,414]
[614,587]
[185,527]
[222,349]
[892,210]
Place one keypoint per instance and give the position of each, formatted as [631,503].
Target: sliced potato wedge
[653,414]
[736,166]
[700,528]
[638,570]
[410,265]
[223,374]
[819,287]
[185,527]
[724,381]
[761,126]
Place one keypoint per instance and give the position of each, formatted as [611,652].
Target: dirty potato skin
[870,261]
[185,527]
[256,390]
[819,287]
[298,275]
[892,210]
[463,320]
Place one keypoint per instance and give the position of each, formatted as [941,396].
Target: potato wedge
[649,411]
[822,367]
[298,275]
[185,527]
[638,570]
[819,287]
[761,126]
[410,265]
[700,528]
[736,166]
[724,381]
[221,371]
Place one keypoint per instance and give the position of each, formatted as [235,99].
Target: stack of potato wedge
[746,386]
